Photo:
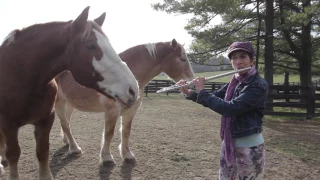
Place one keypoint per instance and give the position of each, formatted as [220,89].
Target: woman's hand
[199,83]
[185,89]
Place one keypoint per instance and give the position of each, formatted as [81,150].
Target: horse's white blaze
[184,56]
[110,65]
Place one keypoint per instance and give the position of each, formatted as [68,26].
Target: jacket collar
[250,79]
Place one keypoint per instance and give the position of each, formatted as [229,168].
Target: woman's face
[240,60]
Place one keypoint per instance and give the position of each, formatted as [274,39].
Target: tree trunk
[268,54]
[258,35]
[305,60]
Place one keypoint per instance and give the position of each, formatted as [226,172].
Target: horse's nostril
[131,92]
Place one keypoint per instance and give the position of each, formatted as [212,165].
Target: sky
[128,22]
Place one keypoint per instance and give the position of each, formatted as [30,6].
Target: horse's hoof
[108,163]
[106,160]
[129,156]
[75,153]
[130,161]
[50,177]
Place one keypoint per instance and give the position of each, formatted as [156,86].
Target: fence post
[167,86]
[146,90]
[286,83]
[311,102]
[156,84]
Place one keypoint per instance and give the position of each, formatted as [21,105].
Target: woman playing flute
[241,103]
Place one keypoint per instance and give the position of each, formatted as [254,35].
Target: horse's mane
[10,37]
[28,33]
[152,49]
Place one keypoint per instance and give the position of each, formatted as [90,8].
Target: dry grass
[172,138]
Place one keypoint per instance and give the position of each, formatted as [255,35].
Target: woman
[241,103]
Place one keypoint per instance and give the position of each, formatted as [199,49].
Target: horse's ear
[174,44]
[100,19]
[80,23]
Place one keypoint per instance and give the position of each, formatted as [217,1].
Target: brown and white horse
[145,61]
[31,58]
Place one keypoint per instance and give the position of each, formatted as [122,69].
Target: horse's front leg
[64,111]
[12,150]
[111,117]
[41,133]
[125,129]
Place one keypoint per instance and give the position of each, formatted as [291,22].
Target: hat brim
[238,49]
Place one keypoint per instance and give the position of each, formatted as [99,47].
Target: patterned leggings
[249,164]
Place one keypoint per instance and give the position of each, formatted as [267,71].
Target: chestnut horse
[31,58]
[145,62]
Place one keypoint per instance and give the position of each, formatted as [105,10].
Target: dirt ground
[172,138]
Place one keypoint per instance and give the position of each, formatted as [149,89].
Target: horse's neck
[147,74]
[57,66]
[142,64]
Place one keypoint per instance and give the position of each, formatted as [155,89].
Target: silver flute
[177,86]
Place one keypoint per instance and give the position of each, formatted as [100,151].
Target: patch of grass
[288,118]
[282,118]
[296,139]
[305,151]
[289,109]
[178,157]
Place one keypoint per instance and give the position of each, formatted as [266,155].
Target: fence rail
[286,100]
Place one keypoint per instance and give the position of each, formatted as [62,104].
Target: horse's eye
[183,59]
[91,46]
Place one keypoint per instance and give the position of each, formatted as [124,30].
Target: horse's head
[94,63]
[176,64]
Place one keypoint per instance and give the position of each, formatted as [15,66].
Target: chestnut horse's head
[176,63]
[94,63]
